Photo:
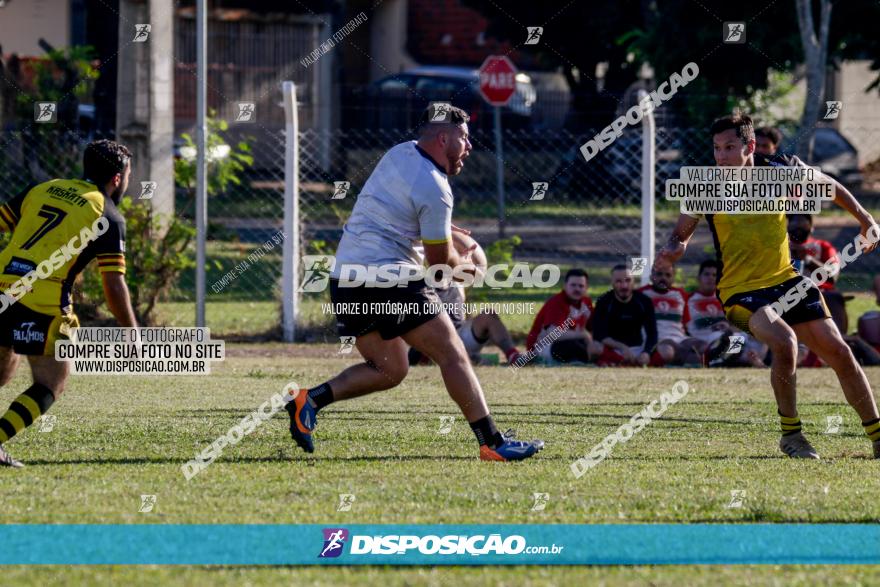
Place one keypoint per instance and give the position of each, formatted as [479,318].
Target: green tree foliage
[225,162]
[158,250]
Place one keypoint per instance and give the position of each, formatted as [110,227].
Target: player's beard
[117,194]
[456,164]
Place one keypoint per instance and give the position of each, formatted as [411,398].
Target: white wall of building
[24,22]
[859,119]
[388,40]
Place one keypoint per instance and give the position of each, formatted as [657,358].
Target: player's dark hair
[454,116]
[576,273]
[742,123]
[769,132]
[103,159]
[708,263]
[619,267]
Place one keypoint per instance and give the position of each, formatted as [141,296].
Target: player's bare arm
[675,247]
[445,254]
[118,299]
[844,198]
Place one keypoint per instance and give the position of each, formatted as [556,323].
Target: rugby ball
[462,242]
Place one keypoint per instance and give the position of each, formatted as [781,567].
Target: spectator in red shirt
[812,251]
[808,254]
[567,316]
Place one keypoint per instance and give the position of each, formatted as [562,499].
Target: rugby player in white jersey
[402,218]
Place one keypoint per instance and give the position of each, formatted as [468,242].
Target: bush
[158,249]
[225,163]
[498,253]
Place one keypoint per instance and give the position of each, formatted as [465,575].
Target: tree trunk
[815,58]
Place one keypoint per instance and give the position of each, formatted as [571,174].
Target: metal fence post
[201,158]
[499,170]
[648,179]
[290,261]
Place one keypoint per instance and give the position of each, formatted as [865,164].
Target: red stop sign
[497,79]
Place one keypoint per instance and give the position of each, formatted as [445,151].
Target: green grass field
[117,438]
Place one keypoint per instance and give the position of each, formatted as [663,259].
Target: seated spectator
[569,311]
[706,323]
[866,344]
[869,328]
[624,323]
[767,140]
[735,348]
[674,346]
[475,333]
[810,253]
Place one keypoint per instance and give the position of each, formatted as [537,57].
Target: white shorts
[466,334]
[546,354]
[546,344]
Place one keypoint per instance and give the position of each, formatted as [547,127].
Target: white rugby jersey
[670,310]
[705,311]
[406,201]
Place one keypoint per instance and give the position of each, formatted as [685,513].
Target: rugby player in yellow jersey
[756,271]
[58,227]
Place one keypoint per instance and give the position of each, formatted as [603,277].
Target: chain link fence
[558,208]
[244,240]
[602,199]
[585,213]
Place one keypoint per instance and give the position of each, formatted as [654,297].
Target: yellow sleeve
[8,220]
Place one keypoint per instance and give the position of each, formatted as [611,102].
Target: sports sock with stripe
[790,424]
[486,432]
[320,396]
[26,408]
[872,429]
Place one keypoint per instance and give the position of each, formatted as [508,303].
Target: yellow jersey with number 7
[57,227]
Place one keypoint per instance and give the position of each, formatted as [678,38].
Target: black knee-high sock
[26,408]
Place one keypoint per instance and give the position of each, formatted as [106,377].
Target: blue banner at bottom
[472,544]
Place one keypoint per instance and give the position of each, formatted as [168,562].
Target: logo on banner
[334,540]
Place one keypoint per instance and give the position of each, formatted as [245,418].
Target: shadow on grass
[392,416]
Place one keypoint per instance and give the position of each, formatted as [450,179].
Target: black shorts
[739,307]
[28,332]
[392,311]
